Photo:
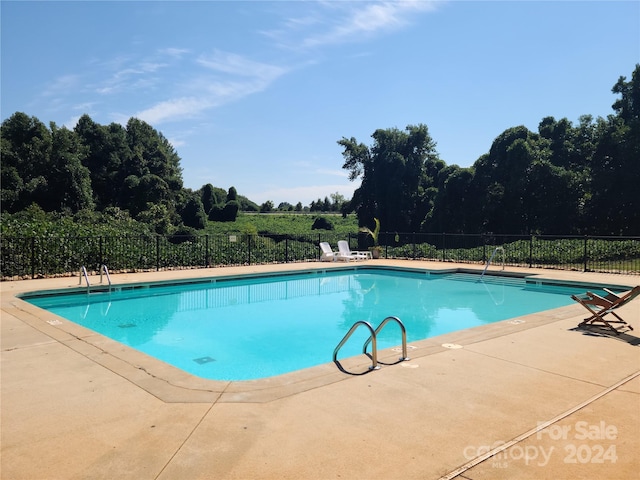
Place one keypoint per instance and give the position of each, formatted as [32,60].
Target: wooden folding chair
[599,307]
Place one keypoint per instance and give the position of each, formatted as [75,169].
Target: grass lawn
[281,223]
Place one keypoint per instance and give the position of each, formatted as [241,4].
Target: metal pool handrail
[83,273]
[490,259]
[104,269]
[374,352]
[372,338]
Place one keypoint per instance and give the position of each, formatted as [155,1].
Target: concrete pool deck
[560,402]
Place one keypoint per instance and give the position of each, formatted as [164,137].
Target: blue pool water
[241,329]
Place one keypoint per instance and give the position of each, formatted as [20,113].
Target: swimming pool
[247,328]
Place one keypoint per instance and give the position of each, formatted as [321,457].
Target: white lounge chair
[346,252]
[327,254]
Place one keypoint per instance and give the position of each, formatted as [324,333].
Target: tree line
[562,179]
[114,169]
[106,168]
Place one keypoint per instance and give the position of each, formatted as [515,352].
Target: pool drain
[452,346]
[203,360]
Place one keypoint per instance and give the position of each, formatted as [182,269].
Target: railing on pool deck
[403,330]
[374,351]
[83,273]
[491,259]
[103,270]
[373,341]
[36,257]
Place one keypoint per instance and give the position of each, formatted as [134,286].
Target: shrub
[322,223]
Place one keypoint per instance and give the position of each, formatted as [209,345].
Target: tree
[454,203]
[266,207]
[208,197]
[230,211]
[215,214]
[192,213]
[69,180]
[614,206]
[315,206]
[154,162]
[26,150]
[156,216]
[554,199]
[152,154]
[627,107]
[337,200]
[106,151]
[396,171]
[247,205]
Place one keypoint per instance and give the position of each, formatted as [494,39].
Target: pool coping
[173,385]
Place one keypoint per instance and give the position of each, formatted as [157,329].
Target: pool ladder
[103,270]
[373,341]
[491,259]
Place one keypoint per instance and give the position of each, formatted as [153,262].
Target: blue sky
[256,94]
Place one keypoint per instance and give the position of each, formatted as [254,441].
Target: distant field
[281,223]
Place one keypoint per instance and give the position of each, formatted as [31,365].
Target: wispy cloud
[130,77]
[192,82]
[340,22]
[333,173]
[234,64]
[224,77]
[176,109]
[174,52]
[61,84]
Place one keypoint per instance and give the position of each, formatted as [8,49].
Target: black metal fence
[34,257]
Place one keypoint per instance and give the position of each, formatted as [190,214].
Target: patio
[560,402]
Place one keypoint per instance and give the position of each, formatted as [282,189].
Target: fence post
[206,250]
[384,238]
[414,245]
[33,257]
[585,255]
[286,250]
[530,251]
[484,249]
[102,260]
[249,237]
[157,253]
[444,247]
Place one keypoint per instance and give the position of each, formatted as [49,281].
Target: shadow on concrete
[596,331]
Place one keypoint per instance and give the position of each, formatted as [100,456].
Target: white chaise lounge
[346,252]
[327,254]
